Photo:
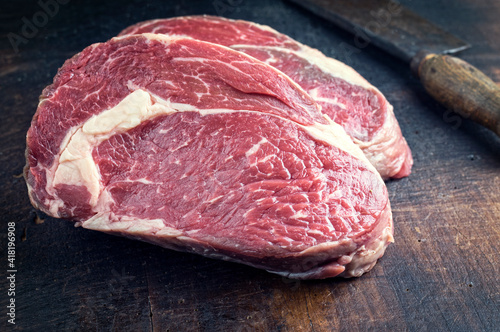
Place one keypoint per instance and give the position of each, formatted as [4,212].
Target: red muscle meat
[345,96]
[200,148]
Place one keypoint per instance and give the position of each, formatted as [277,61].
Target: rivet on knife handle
[460,87]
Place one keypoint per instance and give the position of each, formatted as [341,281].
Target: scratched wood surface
[441,274]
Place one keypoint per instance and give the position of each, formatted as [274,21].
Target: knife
[453,82]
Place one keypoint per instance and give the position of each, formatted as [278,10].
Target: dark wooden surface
[441,274]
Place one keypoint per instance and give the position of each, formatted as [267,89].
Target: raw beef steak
[199,148]
[345,96]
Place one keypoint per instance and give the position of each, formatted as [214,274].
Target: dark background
[441,274]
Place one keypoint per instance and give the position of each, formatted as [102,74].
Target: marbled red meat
[200,148]
[343,94]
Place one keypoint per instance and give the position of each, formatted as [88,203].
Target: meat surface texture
[199,148]
[345,96]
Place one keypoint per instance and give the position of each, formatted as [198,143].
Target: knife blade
[392,27]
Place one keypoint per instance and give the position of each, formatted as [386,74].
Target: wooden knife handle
[460,87]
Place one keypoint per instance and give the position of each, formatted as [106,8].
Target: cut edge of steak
[346,258]
[349,246]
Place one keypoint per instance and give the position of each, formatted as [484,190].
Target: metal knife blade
[388,25]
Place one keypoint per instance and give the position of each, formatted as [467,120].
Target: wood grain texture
[441,274]
[461,87]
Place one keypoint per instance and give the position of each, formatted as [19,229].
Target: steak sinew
[345,96]
[199,148]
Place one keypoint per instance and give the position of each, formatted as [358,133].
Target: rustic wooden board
[441,274]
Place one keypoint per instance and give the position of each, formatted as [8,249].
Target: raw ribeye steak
[345,96]
[196,147]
